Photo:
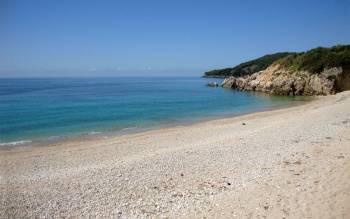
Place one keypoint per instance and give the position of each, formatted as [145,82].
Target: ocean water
[40,109]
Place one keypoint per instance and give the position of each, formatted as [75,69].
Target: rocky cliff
[277,79]
[319,71]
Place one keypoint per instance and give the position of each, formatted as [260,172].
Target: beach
[284,163]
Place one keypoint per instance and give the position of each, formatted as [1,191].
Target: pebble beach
[284,163]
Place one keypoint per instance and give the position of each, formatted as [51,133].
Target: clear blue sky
[181,37]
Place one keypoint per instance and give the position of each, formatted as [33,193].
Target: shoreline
[292,162]
[97,135]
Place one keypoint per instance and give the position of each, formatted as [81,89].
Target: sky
[159,38]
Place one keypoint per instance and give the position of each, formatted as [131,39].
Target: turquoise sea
[41,109]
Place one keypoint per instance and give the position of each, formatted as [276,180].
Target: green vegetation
[249,67]
[317,59]
[314,61]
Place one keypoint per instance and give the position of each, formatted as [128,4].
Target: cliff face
[279,80]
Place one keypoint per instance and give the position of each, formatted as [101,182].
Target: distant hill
[314,61]
[248,68]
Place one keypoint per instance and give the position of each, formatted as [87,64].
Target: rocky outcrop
[282,81]
[212,84]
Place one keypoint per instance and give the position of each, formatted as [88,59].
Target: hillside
[315,60]
[249,67]
[320,71]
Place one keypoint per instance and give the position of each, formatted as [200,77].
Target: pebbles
[211,169]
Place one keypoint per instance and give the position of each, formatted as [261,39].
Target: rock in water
[212,84]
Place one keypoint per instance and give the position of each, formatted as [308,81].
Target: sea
[36,110]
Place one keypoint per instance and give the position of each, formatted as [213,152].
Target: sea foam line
[14,143]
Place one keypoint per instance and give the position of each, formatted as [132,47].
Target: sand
[286,163]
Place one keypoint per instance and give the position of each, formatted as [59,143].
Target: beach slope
[286,163]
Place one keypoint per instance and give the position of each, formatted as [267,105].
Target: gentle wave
[129,128]
[14,143]
[94,133]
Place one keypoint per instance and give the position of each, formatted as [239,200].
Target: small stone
[297,162]
[243,123]
[228,183]
[181,174]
